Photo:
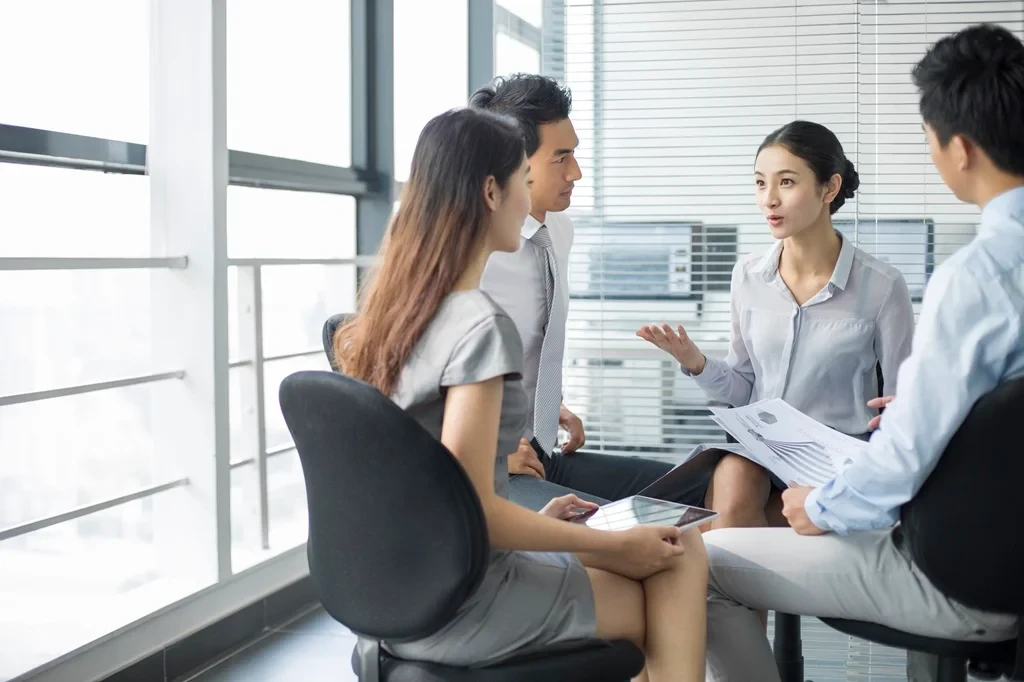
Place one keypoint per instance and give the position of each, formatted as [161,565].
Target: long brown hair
[432,239]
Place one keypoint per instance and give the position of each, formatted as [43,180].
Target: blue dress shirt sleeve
[965,333]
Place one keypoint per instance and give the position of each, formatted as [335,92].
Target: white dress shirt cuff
[714,371]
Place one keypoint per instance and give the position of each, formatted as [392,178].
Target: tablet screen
[637,510]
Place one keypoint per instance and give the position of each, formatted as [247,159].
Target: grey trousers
[862,576]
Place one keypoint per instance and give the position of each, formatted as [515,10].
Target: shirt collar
[1008,206]
[841,275]
[769,265]
[530,227]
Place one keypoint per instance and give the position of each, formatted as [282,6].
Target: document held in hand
[794,447]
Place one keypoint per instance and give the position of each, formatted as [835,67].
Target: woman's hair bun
[851,180]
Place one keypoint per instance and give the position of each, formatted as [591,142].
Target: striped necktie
[548,397]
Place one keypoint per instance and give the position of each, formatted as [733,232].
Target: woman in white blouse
[811,320]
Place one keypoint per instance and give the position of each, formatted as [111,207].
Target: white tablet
[638,510]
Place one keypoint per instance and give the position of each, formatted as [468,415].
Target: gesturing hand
[878,403]
[525,461]
[567,507]
[676,343]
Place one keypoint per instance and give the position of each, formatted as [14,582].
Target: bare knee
[693,542]
[737,476]
[619,606]
[693,561]
[738,492]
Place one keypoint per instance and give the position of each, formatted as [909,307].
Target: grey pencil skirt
[527,601]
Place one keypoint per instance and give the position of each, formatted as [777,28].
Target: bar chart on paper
[787,442]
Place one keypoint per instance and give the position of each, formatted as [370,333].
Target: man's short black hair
[530,99]
[972,84]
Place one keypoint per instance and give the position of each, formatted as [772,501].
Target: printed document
[794,447]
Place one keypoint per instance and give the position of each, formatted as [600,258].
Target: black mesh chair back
[962,530]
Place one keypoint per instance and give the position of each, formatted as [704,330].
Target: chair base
[788,648]
[586,661]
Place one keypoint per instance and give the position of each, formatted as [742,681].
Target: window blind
[671,100]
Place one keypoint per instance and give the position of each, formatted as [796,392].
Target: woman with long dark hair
[427,336]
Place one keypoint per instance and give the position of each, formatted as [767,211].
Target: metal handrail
[33,396]
[271,452]
[47,521]
[29,264]
[274,358]
[259,262]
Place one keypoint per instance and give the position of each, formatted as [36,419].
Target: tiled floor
[314,647]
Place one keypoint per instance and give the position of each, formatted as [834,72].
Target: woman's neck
[470,279]
[813,252]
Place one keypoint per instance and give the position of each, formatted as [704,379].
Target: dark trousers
[599,478]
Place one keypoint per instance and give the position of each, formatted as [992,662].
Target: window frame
[184,109]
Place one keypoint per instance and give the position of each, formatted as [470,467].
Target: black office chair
[963,532]
[398,540]
[330,327]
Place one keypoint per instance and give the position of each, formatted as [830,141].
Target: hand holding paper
[793,499]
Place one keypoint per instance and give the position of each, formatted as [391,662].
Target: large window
[512,55]
[149,312]
[531,11]
[289,85]
[97,215]
[431,69]
[76,67]
[294,300]
[672,100]
[517,36]
[84,405]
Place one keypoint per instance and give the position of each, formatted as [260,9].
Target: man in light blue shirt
[840,558]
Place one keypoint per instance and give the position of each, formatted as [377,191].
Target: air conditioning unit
[906,244]
[623,275]
[651,260]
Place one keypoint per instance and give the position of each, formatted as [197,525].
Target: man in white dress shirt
[532,286]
